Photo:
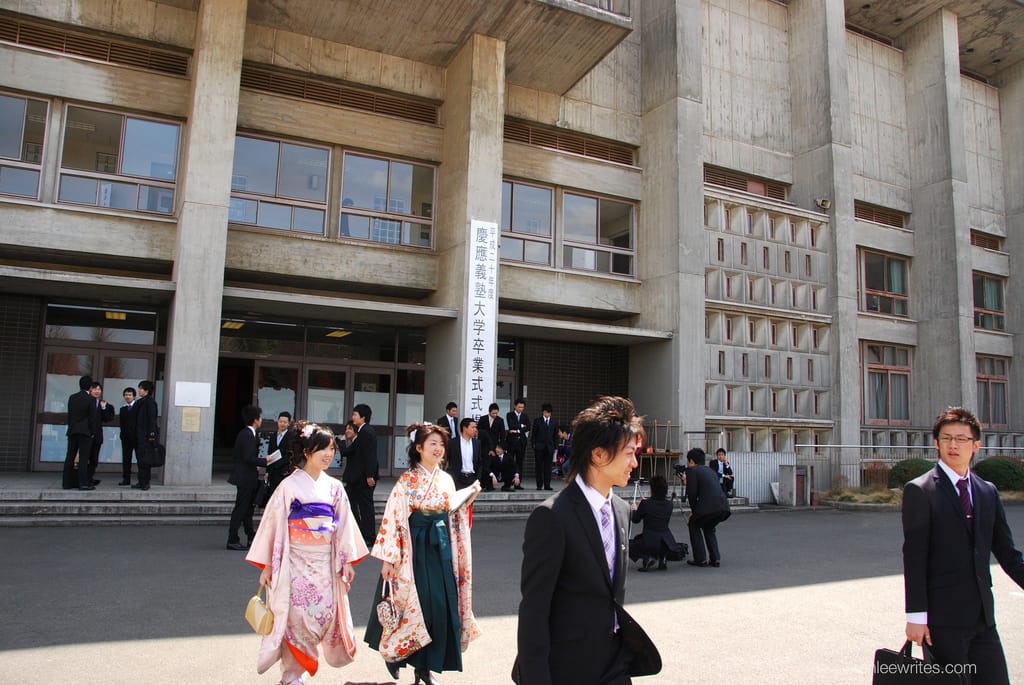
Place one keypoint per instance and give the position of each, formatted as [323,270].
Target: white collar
[953,475]
[594,498]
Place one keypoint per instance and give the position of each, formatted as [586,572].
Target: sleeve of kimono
[348,541]
[273,524]
[392,537]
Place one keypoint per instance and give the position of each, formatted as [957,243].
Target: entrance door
[373,388]
[503,391]
[277,389]
[120,371]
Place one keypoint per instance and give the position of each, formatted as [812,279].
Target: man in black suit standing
[708,507]
[544,434]
[518,424]
[280,442]
[465,455]
[147,430]
[80,435]
[571,621]
[492,430]
[245,477]
[450,420]
[360,474]
[126,425]
[103,413]
[953,522]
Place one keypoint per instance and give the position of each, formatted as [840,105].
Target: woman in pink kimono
[424,543]
[307,544]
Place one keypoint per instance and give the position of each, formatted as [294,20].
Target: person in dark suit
[280,442]
[574,560]
[450,420]
[465,460]
[517,424]
[953,522]
[499,468]
[360,474]
[708,507]
[491,428]
[103,412]
[126,425]
[656,543]
[80,436]
[245,477]
[146,431]
[723,468]
[544,434]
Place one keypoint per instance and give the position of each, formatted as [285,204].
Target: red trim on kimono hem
[306,661]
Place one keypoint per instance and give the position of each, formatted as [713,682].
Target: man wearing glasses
[953,521]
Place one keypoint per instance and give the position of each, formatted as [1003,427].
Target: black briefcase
[901,667]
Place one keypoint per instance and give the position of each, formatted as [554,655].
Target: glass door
[120,371]
[326,401]
[63,369]
[373,388]
[276,390]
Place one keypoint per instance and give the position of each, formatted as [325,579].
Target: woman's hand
[265,576]
[388,572]
[348,574]
[476,488]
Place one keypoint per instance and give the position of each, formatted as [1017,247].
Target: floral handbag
[387,611]
[258,614]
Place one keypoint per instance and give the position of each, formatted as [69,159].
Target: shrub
[907,470]
[1004,473]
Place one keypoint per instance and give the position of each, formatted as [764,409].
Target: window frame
[886,294]
[387,214]
[889,371]
[510,233]
[21,162]
[989,377]
[986,312]
[597,247]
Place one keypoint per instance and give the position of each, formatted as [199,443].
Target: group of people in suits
[138,431]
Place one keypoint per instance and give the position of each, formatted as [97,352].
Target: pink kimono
[307,535]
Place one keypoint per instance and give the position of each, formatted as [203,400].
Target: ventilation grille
[291,85]
[878,215]
[734,180]
[986,240]
[93,47]
[576,143]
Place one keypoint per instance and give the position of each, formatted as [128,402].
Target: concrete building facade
[777,223]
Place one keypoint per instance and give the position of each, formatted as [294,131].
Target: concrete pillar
[1011,118]
[940,276]
[822,168]
[667,378]
[469,184]
[193,341]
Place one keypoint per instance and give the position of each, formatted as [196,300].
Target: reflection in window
[110,153]
[22,128]
[276,184]
[526,223]
[604,224]
[387,201]
[87,324]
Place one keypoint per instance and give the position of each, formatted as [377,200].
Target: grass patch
[870,495]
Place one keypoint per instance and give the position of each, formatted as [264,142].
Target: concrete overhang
[328,308]
[550,44]
[991,31]
[540,328]
[107,288]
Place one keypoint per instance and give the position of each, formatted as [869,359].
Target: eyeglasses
[958,439]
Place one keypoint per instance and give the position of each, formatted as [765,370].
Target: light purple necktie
[965,497]
[608,537]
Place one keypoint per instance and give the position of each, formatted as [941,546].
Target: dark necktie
[965,497]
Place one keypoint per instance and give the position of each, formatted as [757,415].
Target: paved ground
[801,597]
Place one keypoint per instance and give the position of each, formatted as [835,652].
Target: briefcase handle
[908,649]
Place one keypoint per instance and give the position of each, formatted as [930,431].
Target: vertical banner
[481,318]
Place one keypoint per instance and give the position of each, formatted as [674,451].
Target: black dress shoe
[236,546]
[519,487]
[549,488]
[393,669]
[702,564]
[662,566]
[716,564]
[140,486]
[87,487]
[125,482]
[95,481]
[506,489]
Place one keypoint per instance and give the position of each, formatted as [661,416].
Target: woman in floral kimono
[424,543]
[307,544]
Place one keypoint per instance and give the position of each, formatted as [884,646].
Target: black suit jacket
[360,457]
[104,415]
[545,437]
[285,446]
[704,493]
[454,457]
[491,431]
[443,421]
[569,603]
[127,421]
[946,555]
[522,424]
[246,458]
[146,420]
[80,407]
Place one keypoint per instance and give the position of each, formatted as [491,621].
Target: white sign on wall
[481,318]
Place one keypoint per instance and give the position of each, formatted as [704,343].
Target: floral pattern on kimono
[419,489]
[300,596]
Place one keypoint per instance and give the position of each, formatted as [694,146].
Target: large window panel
[379,195]
[989,312]
[580,218]
[885,284]
[992,384]
[255,166]
[303,172]
[526,224]
[602,223]
[364,183]
[887,384]
[150,149]
[22,128]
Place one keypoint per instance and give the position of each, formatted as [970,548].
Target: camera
[679,469]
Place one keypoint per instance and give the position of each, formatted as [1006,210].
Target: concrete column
[205,190]
[940,276]
[469,188]
[1011,117]
[667,378]
[822,168]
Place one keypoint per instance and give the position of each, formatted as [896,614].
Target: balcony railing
[619,7]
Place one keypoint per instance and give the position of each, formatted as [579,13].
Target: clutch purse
[259,616]
[387,612]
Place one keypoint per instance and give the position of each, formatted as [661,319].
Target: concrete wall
[983,145]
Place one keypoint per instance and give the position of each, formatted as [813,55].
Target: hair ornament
[307,430]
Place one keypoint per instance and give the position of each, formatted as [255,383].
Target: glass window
[105,145]
[887,384]
[992,384]
[526,223]
[22,127]
[602,223]
[988,303]
[276,184]
[885,284]
[378,196]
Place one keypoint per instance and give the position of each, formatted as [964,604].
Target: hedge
[907,470]
[1003,472]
